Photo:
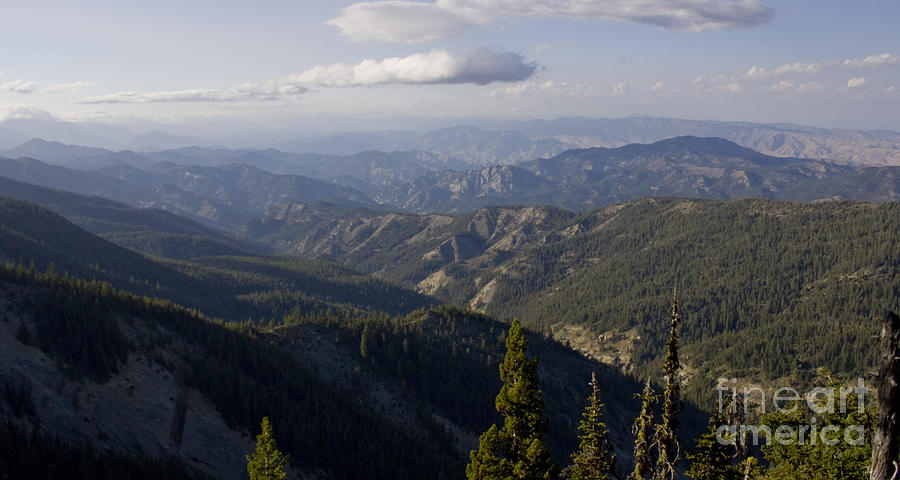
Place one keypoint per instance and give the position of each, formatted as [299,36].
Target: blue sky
[277,63]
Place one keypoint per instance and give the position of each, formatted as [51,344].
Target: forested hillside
[234,288]
[770,289]
[121,346]
[360,385]
[149,231]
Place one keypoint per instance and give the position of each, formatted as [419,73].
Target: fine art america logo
[818,401]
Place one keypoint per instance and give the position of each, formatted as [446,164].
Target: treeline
[443,359]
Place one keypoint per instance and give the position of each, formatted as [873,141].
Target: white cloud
[19,86]
[241,93]
[67,87]
[25,87]
[872,61]
[791,86]
[399,21]
[560,89]
[662,88]
[800,68]
[762,79]
[621,88]
[532,89]
[404,21]
[856,82]
[8,111]
[718,83]
[480,67]
[783,85]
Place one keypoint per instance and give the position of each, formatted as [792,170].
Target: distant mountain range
[226,196]
[150,231]
[229,188]
[479,143]
[585,179]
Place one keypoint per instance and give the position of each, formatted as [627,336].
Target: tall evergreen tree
[267,462]
[642,442]
[666,441]
[594,459]
[515,451]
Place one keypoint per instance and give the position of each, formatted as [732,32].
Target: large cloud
[480,67]
[244,92]
[403,21]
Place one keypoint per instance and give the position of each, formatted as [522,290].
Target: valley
[211,287]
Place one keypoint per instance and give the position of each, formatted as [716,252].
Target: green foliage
[711,459]
[643,441]
[489,461]
[594,459]
[516,450]
[267,462]
[804,453]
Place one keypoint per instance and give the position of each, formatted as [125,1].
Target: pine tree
[267,462]
[594,459]
[642,442]
[666,441]
[710,459]
[515,451]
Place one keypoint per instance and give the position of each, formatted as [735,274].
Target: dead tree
[886,444]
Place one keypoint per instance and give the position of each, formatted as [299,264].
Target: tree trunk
[886,443]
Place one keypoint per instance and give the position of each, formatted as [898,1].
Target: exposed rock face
[453,191]
[415,248]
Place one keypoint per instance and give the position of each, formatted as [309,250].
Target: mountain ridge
[499,141]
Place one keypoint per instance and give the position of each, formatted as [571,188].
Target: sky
[305,64]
